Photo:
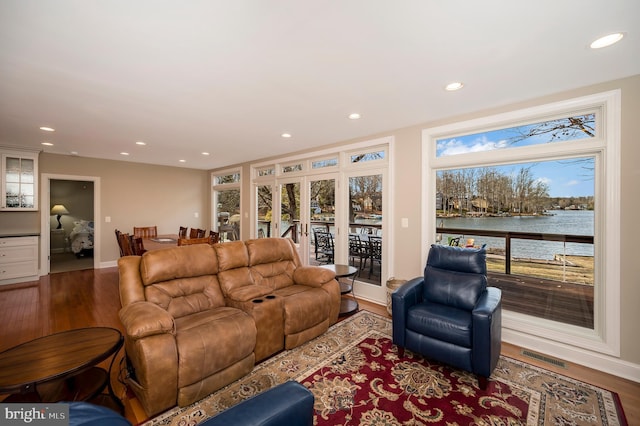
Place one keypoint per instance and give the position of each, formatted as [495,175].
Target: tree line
[488,191]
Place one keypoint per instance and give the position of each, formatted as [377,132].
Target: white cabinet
[18,259]
[19,178]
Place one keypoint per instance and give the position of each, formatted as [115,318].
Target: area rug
[357,378]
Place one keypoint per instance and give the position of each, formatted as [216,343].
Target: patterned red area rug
[368,384]
[358,378]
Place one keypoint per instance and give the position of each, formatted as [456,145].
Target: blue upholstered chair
[289,403]
[450,315]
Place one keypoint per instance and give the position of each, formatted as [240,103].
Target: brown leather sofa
[199,317]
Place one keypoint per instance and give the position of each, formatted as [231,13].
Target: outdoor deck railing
[511,235]
[292,229]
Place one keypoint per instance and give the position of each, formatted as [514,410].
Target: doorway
[69,230]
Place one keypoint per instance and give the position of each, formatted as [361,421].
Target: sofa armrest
[312,276]
[487,331]
[289,404]
[143,319]
[401,300]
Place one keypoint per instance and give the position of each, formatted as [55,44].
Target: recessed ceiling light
[354,116]
[456,85]
[47,144]
[74,152]
[205,153]
[47,129]
[607,40]
[140,143]
[124,153]
[182,161]
[286,135]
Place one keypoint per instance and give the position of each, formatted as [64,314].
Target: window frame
[523,329]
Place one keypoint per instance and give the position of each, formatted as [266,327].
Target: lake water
[571,222]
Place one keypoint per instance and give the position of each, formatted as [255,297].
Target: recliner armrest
[312,276]
[487,331]
[402,299]
[289,403]
[143,319]
[488,302]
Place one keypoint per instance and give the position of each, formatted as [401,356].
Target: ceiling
[229,77]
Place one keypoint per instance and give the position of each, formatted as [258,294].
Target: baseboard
[601,362]
[20,280]
[109,264]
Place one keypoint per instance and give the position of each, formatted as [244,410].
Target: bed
[81,238]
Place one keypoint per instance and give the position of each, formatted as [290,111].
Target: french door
[306,205]
[337,194]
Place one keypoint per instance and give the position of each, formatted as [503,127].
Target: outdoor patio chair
[375,253]
[357,250]
[323,246]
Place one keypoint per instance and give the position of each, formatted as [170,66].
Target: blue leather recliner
[289,403]
[450,315]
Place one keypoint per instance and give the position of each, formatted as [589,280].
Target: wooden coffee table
[61,367]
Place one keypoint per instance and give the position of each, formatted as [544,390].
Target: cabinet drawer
[18,254]
[18,241]
[18,269]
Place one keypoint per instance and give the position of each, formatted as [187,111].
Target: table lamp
[59,210]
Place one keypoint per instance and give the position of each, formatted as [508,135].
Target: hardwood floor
[87,298]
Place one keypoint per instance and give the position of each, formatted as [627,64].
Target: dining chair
[138,246]
[118,240]
[145,231]
[126,246]
[197,233]
[190,241]
[183,232]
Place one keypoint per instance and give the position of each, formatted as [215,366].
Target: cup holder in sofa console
[271,296]
[257,300]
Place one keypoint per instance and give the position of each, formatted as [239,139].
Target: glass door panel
[290,211]
[228,209]
[365,225]
[264,214]
[321,224]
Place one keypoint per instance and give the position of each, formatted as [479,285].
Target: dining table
[160,242]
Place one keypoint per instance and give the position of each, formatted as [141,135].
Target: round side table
[348,305]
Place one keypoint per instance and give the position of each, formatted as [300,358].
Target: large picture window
[530,186]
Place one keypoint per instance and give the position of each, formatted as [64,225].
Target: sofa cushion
[186,296]
[441,322]
[187,261]
[211,341]
[271,250]
[232,255]
[304,307]
[273,275]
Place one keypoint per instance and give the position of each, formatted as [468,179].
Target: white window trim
[551,337]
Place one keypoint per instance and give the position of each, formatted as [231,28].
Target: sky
[565,178]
